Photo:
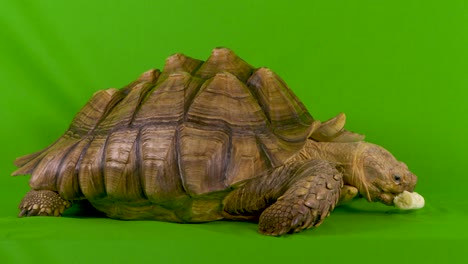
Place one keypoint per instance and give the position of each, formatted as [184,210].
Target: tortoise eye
[397,178]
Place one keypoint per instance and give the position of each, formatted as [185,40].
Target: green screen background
[398,69]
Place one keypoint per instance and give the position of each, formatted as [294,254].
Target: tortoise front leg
[43,203]
[293,197]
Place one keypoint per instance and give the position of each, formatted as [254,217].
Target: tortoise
[208,140]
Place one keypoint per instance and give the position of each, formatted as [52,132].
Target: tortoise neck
[344,154]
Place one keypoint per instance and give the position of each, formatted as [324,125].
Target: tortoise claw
[22,212]
[33,212]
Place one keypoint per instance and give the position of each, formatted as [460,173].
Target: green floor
[398,69]
[359,232]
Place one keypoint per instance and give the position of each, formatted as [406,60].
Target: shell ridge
[145,92]
[227,158]
[103,164]
[143,95]
[118,98]
[233,106]
[91,168]
[120,112]
[86,127]
[264,153]
[139,164]
[120,162]
[168,101]
[124,172]
[73,170]
[160,174]
[103,158]
[44,174]
[255,92]
[179,160]
[62,175]
[202,159]
[62,161]
[123,112]
[145,111]
[195,69]
[289,119]
[189,102]
[190,98]
[299,103]
[82,154]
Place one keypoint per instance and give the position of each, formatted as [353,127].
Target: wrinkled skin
[305,190]
[384,176]
[372,170]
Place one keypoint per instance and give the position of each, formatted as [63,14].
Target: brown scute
[122,114]
[234,105]
[91,114]
[238,116]
[290,119]
[224,60]
[159,171]
[44,175]
[203,155]
[194,129]
[121,166]
[68,184]
[166,102]
[91,176]
[276,150]
[246,160]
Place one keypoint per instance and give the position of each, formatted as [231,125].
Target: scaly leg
[42,203]
[290,198]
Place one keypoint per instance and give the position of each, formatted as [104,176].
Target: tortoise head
[379,176]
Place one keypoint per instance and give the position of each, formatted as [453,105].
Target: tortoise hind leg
[293,197]
[42,203]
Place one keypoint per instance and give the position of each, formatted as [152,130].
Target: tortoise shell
[194,128]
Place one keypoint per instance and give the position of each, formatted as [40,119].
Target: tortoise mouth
[387,198]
